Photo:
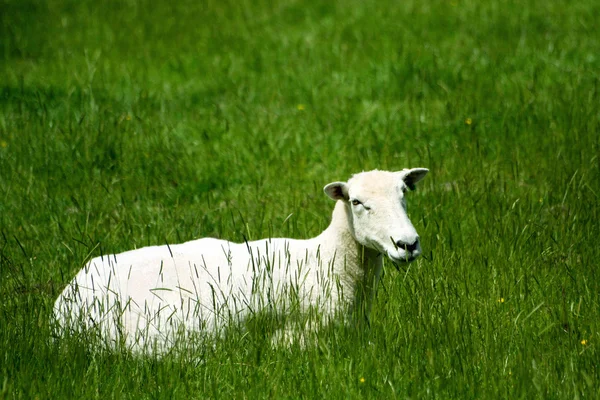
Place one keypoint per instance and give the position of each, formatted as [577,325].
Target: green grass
[130,123]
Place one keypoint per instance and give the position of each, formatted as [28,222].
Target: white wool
[146,297]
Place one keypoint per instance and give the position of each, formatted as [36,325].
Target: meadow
[133,123]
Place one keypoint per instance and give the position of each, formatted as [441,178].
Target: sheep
[146,298]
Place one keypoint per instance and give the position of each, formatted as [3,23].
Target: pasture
[131,123]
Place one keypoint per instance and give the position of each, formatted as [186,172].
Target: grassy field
[131,123]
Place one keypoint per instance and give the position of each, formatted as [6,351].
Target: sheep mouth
[402,260]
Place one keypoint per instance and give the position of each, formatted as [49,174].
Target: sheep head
[376,208]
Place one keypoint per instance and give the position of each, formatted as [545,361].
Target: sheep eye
[355,202]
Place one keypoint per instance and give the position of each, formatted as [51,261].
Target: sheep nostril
[414,246]
[408,247]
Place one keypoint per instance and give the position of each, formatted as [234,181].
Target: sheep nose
[407,246]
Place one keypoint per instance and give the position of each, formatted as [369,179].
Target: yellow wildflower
[501,300]
[468,121]
[584,342]
[301,107]
[362,380]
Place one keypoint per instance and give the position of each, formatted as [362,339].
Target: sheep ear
[337,190]
[412,176]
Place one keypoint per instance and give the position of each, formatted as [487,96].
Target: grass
[125,124]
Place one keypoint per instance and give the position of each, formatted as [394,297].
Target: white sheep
[146,298]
